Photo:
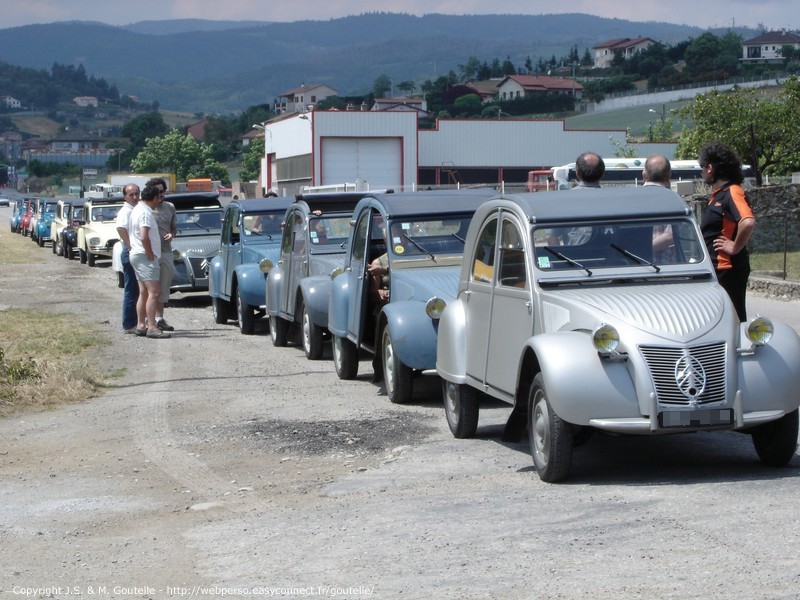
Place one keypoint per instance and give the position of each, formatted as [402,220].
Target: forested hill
[222,66]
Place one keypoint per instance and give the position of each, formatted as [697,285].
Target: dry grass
[42,354]
[42,364]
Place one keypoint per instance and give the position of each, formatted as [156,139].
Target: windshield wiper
[574,263]
[638,259]
[420,248]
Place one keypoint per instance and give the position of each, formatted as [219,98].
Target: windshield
[429,236]
[268,224]
[199,220]
[598,246]
[329,231]
[105,213]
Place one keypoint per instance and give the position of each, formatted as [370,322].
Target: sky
[772,14]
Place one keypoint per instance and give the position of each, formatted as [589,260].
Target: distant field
[38,125]
[636,118]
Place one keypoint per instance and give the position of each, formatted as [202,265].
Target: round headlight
[265,265]
[760,330]
[434,307]
[176,255]
[605,338]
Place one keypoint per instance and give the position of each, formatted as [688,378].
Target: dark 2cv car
[249,247]
[418,238]
[315,232]
[599,310]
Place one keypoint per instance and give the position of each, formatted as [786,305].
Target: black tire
[278,331]
[82,256]
[221,309]
[397,377]
[461,407]
[91,259]
[345,358]
[776,442]
[550,437]
[311,335]
[245,315]
[68,252]
[40,241]
[54,247]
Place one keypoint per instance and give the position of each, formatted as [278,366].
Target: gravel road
[218,465]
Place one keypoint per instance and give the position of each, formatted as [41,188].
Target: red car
[25,221]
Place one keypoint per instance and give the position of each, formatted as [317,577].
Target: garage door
[378,161]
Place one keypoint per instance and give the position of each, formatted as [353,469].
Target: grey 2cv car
[249,247]
[315,233]
[420,236]
[578,310]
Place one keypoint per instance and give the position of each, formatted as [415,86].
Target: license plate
[695,418]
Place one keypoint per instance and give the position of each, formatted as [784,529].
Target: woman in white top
[144,255]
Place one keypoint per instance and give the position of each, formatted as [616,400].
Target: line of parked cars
[564,308]
[567,311]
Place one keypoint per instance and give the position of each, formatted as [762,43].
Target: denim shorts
[146,270]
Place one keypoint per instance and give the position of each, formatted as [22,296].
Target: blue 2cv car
[401,269]
[249,247]
[316,228]
[599,310]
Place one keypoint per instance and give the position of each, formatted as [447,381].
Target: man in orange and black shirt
[728,221]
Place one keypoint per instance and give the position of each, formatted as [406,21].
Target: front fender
[770,377]
[251,283]
[215,277]
[580,386]
[413,333]
[316,291]
[339,305]
[451,343]
[275,284]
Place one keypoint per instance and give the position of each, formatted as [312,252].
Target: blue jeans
[130,293]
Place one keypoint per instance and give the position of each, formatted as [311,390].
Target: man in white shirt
[130,293]
[144,255]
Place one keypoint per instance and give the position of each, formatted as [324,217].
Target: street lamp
[662,133]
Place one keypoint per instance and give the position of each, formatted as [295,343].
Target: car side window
[360,238]
[511,256]
[299,236]
[288,234]
[483,261]
[230,228]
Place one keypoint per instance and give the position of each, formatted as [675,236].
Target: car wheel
[312,337]
[550,436]
[83,256]
[461,408]
[68,252]
[40,241]
[776,442]
[345,358]
[245,315]
[221,310]
[54,247]
[91,259]
[397,377]
[278,330]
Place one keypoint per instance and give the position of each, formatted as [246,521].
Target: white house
[519,86]
[604,53]
[10,102]
[767,47]
[303,98]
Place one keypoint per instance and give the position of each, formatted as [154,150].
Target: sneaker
[141,332]
[163,325]
[157,333]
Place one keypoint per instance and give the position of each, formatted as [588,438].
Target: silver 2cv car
[599,310]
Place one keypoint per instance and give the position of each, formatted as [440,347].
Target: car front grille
[198,267]
[688,376]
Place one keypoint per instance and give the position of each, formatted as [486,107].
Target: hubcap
[306,332]
[388,363]
[541,430]
[452,402]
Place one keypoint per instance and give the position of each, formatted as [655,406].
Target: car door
[230,248]
[477,298]
[359,259]
[295,261]
[511,321]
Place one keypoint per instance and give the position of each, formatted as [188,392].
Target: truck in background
[122,179]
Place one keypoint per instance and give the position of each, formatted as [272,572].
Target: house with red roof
[604,53]
[520,86]
[767,46]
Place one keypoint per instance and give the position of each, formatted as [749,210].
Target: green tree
[468,105]
[179,154]
[762,128]
[381,86]
[407,87]
[251,160]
